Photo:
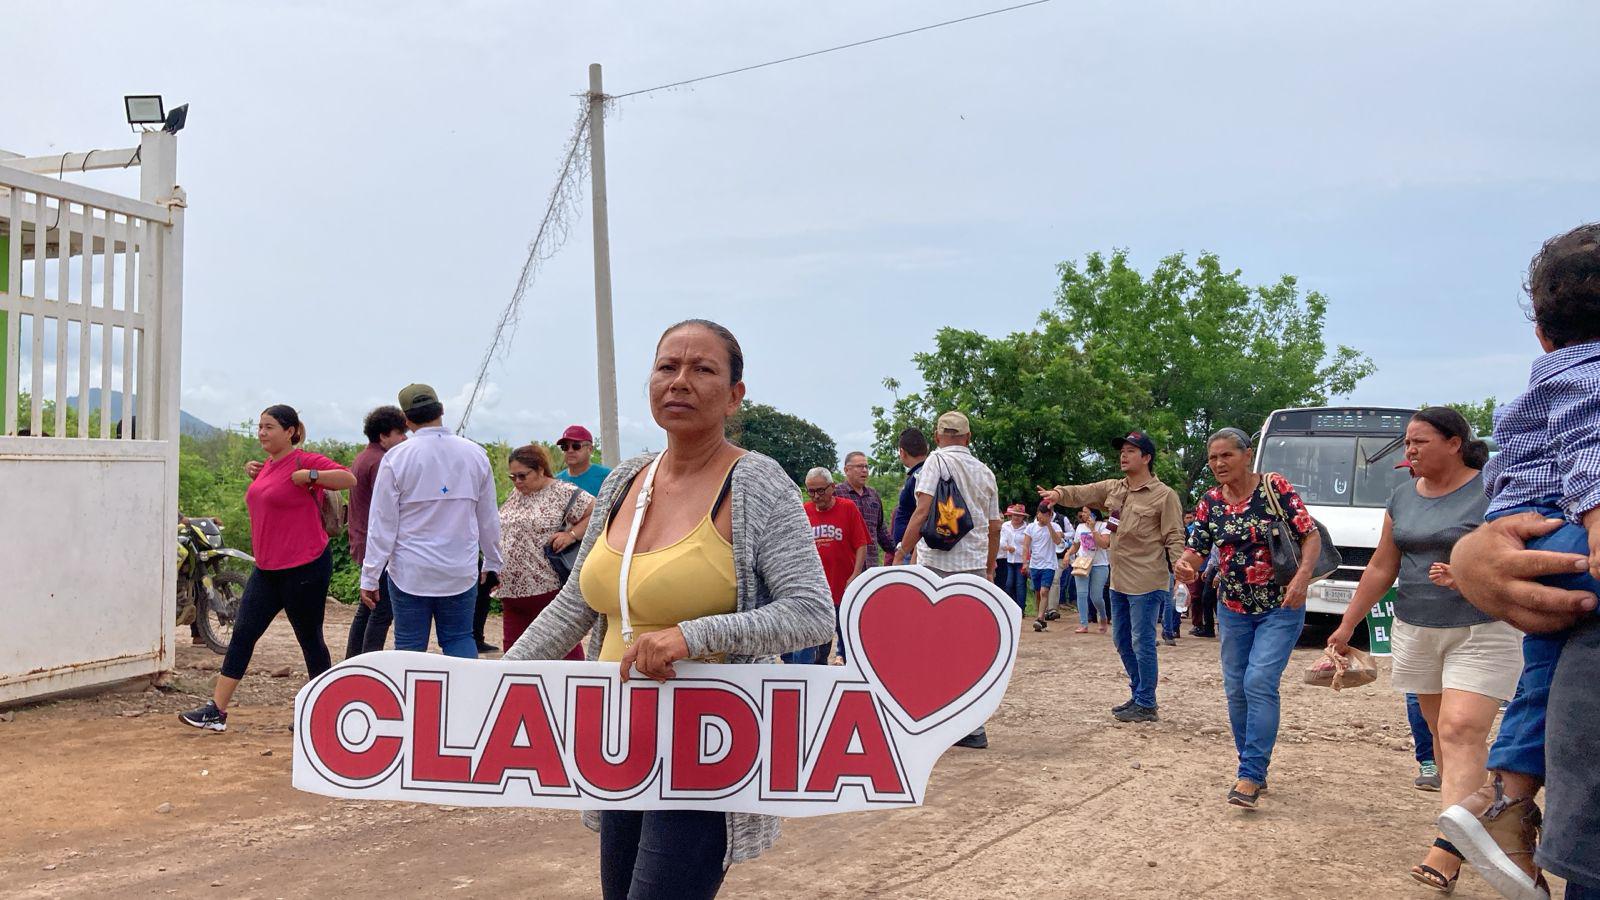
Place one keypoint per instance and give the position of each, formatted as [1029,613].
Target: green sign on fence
[1380,624]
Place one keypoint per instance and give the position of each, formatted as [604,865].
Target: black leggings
[668,854]
[302,593]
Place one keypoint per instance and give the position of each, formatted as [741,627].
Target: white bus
[1341,460]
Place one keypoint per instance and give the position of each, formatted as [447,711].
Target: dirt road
[1065,803]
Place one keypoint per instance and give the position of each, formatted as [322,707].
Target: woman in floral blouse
[1260,620]
[542,511]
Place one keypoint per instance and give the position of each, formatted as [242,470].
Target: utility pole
[605,344]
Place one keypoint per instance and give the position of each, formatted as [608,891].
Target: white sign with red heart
[929,660]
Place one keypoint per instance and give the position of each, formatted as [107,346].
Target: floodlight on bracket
[144,110]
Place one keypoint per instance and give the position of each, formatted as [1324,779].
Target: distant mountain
[187,424]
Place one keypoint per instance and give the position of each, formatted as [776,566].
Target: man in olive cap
[433,512]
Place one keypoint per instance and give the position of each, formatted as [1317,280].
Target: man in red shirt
[842,542]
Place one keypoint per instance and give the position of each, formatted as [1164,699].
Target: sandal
[1428,875]
[1081,629]
[1040,624]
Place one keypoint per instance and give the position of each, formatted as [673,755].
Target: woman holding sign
[1459,662]
[701,552]
[1260,619]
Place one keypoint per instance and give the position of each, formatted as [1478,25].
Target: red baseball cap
[576,433]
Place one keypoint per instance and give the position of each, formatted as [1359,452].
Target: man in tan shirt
[1146,523]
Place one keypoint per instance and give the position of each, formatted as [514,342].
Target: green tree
[796,444]
[1479,415]
[1187,350]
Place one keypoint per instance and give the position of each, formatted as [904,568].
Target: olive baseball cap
[954,423]
[416,396]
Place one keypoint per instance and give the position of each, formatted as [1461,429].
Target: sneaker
[1170,641]
[978,740]
[1137,713]
[1498,835]
[208,717]
[486,647]
[1427,778]
[1122,707]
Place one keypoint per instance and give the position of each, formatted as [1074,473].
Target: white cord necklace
[639,507]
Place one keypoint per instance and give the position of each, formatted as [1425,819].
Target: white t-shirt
[1094,542]
[1042,549]
[1010,542]
[978,489]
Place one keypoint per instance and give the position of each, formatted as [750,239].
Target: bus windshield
[1338,470]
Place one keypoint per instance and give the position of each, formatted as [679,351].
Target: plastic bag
[1353,669]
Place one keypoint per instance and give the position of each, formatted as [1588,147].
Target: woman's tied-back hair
[735,352]
[288,420]
[1452,424]
[1241,441]
[1564,286]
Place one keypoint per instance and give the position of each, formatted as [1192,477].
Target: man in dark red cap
[577,445]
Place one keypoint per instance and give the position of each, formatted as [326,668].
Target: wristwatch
[312,475]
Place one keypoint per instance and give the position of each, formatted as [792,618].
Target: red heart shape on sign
[927,652]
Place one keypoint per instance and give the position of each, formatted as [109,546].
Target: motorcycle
[208,590]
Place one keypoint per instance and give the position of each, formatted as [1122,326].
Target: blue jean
[1520,745]
[805,656]
[1090,590]
[1016,582]
[450,616]
[1421,735]
[1255,651]
[1171,620]
[1133,630]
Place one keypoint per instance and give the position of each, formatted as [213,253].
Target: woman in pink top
[292,560]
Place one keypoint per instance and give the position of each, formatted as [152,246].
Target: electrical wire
[686,81]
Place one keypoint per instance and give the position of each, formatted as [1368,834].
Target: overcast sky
[364,178]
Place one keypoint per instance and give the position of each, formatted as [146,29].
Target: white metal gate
[91,313]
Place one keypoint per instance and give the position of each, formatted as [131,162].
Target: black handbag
[562,561]
[1285,543]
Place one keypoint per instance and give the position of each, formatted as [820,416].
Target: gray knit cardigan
[784,603]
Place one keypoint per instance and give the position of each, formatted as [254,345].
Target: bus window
[1321,469]
[1377,479]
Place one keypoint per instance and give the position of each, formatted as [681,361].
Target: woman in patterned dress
[541,511]
[1260,620]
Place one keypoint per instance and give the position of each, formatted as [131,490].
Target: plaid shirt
[871,506]
[1550,436]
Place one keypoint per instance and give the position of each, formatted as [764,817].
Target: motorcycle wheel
[220,609]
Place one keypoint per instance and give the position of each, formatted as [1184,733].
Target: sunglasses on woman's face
[520,476]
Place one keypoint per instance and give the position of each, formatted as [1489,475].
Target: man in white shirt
[975,552]
[433,511]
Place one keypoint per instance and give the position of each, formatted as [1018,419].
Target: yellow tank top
[689,579]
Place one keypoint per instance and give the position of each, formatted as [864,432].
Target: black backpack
[949,520]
